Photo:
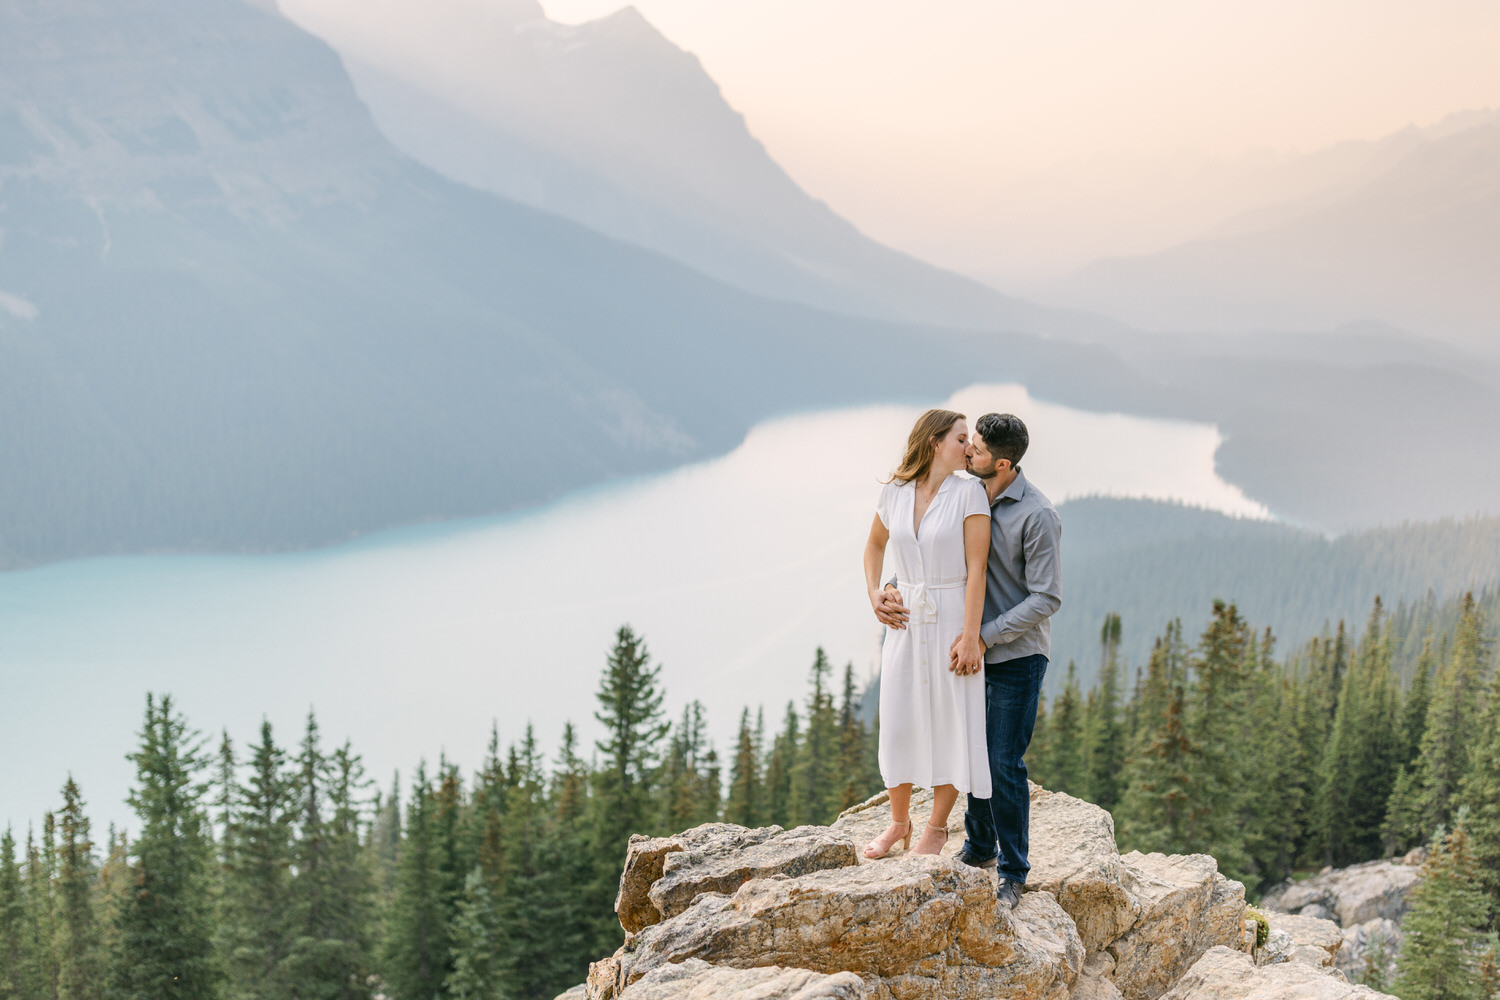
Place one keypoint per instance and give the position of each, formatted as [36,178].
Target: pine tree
[568,846]
[492,786]
[630,710]
[1285,791]
[455,854]
[1362,753]
[1401,813]
[858,783]
[1414,709]
[1064,765]
[79,961]
[815,792]
[166,926]
[1452,718]
[531,901]
[1160,809]
[784,749]
[1039,753]
[17,962]
[1104,739]
[477,945]
[691,796]
[1440,934]
[1479,793]
[385,840]
[744,806]
[1218,729]
[710,787]
[257,879]
[331,898]
[114,887]
[417,945]
[41,906]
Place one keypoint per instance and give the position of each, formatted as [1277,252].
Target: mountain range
[235,317]
[611,124]
[1405,232]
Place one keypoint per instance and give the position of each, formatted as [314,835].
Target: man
[1023,590]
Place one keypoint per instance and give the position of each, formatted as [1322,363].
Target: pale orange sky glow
[914,119]
[1018,141]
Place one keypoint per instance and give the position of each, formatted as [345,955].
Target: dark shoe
[967,857]
[1008,893]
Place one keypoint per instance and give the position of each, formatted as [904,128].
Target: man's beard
[969,468]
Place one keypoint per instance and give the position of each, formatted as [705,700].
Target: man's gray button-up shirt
[1023,588]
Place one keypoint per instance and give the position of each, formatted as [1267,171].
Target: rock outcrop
[663,875]
[1366,901]
[722,910]
[1295,938]
[1225,974]
[1187,908]
[697,980]
[1349,896]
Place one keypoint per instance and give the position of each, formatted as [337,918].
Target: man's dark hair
[1004,435]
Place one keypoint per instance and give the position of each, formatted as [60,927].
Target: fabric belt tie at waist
[923,608]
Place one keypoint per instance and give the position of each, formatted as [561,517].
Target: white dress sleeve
[883,505]
[975,500]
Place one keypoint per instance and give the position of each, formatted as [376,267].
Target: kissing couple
[976,549]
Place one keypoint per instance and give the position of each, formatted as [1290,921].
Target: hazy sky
[903,115]
[1016,139]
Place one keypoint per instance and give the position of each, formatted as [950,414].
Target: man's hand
[891,610]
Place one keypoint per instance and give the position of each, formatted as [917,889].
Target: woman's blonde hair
[921,445]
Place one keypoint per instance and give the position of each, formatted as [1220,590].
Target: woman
[932,707]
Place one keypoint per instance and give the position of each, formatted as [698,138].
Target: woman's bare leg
[900,828]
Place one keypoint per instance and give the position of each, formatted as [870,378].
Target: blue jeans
[999,826]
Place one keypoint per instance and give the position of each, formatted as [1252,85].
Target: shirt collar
[1017,488]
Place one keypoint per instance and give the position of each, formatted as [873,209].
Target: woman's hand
[966,655]
[890,610]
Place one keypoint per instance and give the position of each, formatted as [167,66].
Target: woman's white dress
[931,719]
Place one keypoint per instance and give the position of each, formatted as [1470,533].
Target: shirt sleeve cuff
[989,632]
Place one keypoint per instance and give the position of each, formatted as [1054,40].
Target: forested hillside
[1152,562]
[274,870]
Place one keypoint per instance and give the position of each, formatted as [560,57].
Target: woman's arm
[874,560]
[969,650]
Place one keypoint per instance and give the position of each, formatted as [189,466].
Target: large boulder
[1225,974]
[1072,853]
[1187,908]
[915,927]
[663,875]
[1350,896]
[1093,925]
[1073,857]
[1297,938]
[697,980]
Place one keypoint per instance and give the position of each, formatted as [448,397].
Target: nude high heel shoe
[939,829]
[875,852]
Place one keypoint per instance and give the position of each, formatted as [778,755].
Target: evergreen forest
[278,869]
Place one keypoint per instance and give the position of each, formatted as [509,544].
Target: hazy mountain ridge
[611,124]
[235,318]
[1416,246]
